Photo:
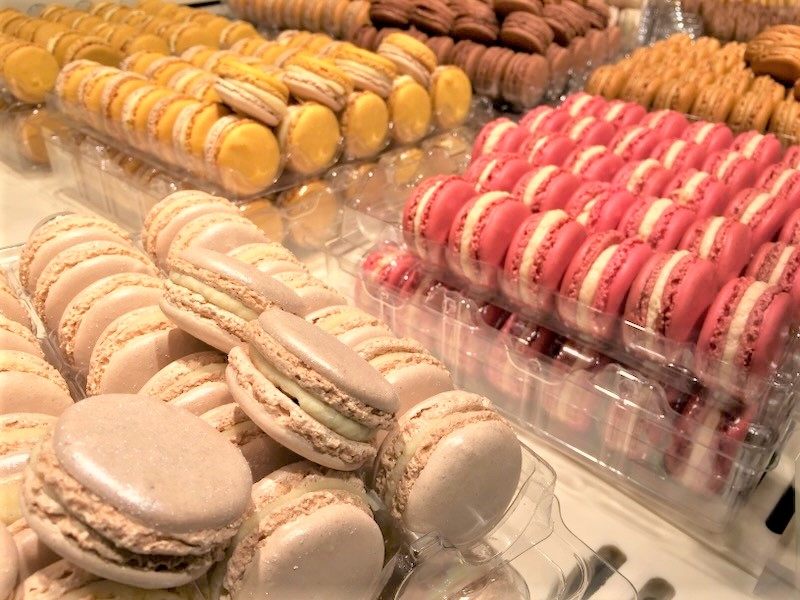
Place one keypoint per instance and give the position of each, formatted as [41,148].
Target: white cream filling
[780,265]
[475,214]
[214,296]
[587,156]
[625,142]
[23,434]
[486,172]
[315,408]
[703,132]
[672,154]
[614,111]
[548,221]
[654,304]
[580,127]
[386,359]
[657,118]
[640,172]
[750,147]
[722,169]
[756,204]
[691,186]
[652,216]
[583,217]
[272,103]
[299,74]
[409,450]
[534,125]
[588,288]
[496,134]
[577,106]
[709,237]
[539,144]
[739,320]
[781,180]
[536,182]
[422,207]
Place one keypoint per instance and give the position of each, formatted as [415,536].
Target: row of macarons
[350,380]
[559,384]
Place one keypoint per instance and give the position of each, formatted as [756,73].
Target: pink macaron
[777,264]
[643,178]
[782,181]
[745,332]
[623,114]
[698,191]
[791,158]
[429,212]
[548,149]
[591,131]
[679,155]
[765,150]
[764,213]
[388,268]
[658,221]
[733,169]
[496,171]
[599,206]
[668,123]
[634,143]
[584,105]
[597,281]
[596,163]
[711,136]
[538,256]
[480,235]
[545,119]
[546,188]
[790,232]
[500,135]
[724,242]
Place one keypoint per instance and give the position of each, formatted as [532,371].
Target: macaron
[451,96]
[410,56]
[163,222]
[634,143]
[58,234]
[745,332]
[598,279]
[658,221]
[538,256]
[427,479]
[78,267]
[309,137]
[545,119]
[669,123]
[96,306]
[596,163]
[212,296]
[724,242]
[269,257]
[11,307]
[763,212]
[733,169]
[679,155]
[698,191]
[643,178]
[713,137]
[364,124]
[591,131]
[777,264]
[311,79]
[790,232]
[410,109]
[143,337]
[349,324]
[781,181]
[176,524]
[221,232]
[31,385]
[496,171]
[195,382]
[409,368]
[368,71]
[428,214]
[548,149]
[546,188]
[30,73]
[599,206]
[622,114]
[14,336]
[389,268]
[312,533]
[32,553]
[309,391]
[10,565]
[499,135]
[480,234]
[314,293]
[765,150]
[582,105]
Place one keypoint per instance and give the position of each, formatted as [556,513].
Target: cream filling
[409,451]
[588,288]
[26,434]
[652,216]
[703,132]
[722,169]
[750,147]
[214,296]
[386,359]
[739,320]
[9,497]
[613,112]
[701,448]
[654,304]
[534,125]
[496,134]
[300,74]
[691,186]
[273,104]
[422,207]
[710,236]
[475,214]
[781,180]
[672,154]
[539,144]
[657,118]
[583,217]
[487,171]
[586,157]
[549,219]
[756,204]
[535,183]
[780,265]
[578,105]
[332,322]
[315,408]
[580,127]
[641,171]
[627,141]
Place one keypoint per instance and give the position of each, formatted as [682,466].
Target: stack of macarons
[549,215]
[741,21]
[674,74]
[512,52]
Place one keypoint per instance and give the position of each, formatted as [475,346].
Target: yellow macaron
[451,96]
[30,73]
[309,137]
[365,125]
[410,110]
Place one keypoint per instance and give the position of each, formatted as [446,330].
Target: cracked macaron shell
[31,385]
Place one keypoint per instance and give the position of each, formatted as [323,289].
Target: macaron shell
[790,232]
[220,234]
[9,566]
[17,340]
[335,552]
[466,484]
[734,245]
[167,234]
[12,308]
[33,554]
[418,382]
[187,316]
[773,334]
[31,385]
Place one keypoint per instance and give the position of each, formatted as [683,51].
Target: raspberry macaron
[765,150]
[599,206]
[669,123]
[658,221]
[548,149]
[545,119]
[623,114]
[764,213]
[583,105]
[698,191]
[643,178]
[597,281]
[713,137]
[777,264]
[679,155]
[546,188]
[781,181]
[429,213]
[591,131]
[745,332]
[724,242]
[733,169]
[480,235]
[790,232]
[496,171]
[500,135]
[596,163]
[634,143]
[538,257]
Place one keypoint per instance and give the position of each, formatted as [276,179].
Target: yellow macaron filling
[9,498]
[315,408]
[214,296]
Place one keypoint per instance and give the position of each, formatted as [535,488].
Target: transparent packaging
[22,131]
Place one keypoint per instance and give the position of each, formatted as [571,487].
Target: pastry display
[741,21]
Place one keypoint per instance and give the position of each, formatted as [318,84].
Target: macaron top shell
[30,384]
[14,336]
[9,565]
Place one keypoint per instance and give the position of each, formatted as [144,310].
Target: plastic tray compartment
[22,131]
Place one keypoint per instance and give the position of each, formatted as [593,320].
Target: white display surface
[596,512]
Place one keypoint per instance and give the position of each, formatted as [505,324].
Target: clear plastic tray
[528,554]
[22,131]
